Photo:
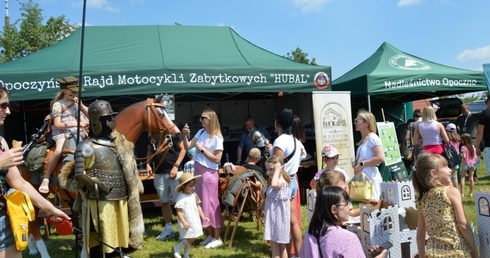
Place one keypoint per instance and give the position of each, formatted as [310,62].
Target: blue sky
[338,33]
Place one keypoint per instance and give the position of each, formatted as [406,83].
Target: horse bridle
[164,132]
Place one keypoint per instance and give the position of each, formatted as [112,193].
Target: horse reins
[164,138]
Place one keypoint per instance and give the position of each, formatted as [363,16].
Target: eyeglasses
[4,106]
[202,118]
[348,204]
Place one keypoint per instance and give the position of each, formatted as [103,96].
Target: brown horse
[148,115]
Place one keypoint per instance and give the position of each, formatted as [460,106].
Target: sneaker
[213,244]
[167,233]
[207,240]
[176,253]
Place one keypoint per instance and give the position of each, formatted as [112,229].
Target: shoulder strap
[292,153]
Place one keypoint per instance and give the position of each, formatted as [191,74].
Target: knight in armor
[106,169]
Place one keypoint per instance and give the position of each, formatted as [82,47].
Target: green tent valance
[127,60]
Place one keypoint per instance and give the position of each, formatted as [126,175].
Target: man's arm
[479,137]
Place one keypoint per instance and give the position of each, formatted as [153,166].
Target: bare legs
[471,178]
[53,161]
[278,250]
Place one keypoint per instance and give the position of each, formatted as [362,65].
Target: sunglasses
[202,118]
[4,106]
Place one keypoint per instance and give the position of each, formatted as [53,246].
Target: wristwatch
[176,165]
[202,150]
[361,163]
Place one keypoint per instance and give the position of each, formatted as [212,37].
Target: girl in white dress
[189,214]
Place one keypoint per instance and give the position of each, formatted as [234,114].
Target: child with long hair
[64,112]
[442,216]
[326,236]
[468,166]
[454,140]
[277,207]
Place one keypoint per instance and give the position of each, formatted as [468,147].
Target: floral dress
[445,239]
[277,215]
[68,114]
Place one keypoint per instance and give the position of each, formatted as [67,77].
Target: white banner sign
[333,125]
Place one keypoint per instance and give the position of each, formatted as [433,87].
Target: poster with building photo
[333,125]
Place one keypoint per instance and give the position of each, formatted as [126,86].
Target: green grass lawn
[247,242]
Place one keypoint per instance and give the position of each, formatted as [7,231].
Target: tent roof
[127,60]
[393,75]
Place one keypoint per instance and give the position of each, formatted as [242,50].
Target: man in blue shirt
[246,143]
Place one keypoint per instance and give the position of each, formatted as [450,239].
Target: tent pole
[369,103]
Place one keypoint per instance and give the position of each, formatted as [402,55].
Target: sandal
[63,227]
[44,188]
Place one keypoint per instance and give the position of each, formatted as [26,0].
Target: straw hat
[185,178]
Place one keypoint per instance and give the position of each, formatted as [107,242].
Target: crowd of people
[106,156]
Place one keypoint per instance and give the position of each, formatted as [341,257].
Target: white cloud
[406,3]
[309,5]
[482,53]
[102,4]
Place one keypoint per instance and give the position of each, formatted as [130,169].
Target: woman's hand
[185,130]
[11,157]
[198,146]
[357,169]
[376,252]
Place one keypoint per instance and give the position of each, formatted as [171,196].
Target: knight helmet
[97,109]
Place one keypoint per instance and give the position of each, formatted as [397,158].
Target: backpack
[36,156]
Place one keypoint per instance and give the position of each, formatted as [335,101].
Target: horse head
[149,115]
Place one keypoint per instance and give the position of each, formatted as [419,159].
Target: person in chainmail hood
[106,169]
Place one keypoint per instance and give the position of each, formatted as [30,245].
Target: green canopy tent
[486,69]
[128,60]
[390,77]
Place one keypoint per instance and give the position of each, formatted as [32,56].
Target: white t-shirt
[286,144]
[364,152]
[216,143]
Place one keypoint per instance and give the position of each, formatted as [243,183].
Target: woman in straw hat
[189,213]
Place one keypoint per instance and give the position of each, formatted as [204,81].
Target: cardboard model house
[387,221]
[482,200]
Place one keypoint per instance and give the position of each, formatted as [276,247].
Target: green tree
[28,34]
[299,56]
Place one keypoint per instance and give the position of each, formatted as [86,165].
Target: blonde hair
[276,159]
[453,136]
[368,117]
[422,177]
[428,115]
[329,177]
[58,96]
[214,126]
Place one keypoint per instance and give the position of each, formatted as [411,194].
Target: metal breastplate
[108,171]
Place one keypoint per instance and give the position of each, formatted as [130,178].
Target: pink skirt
[207,190]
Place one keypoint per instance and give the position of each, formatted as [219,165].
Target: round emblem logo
[321,80]
[405,62]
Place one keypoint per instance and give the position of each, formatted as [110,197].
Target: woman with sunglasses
[64,112]
[370,153]
[208,142]
[326,236]
[10,178]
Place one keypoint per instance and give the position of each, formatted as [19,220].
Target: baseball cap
[329,151]
[451,127]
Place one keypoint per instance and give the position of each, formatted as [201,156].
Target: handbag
[409,153]
[20,212]
[452,156]
[361,189]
